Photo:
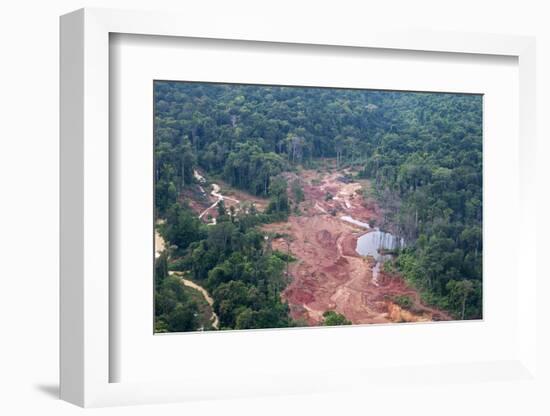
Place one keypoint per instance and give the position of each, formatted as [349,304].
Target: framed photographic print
[260,204]
[281,206]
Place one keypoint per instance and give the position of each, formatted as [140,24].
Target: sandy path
[189,283]
[159,244]
[219,197]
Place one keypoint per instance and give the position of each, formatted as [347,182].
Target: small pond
[369,244]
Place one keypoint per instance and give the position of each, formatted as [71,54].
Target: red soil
[328,273]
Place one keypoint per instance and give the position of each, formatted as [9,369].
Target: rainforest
[284,206]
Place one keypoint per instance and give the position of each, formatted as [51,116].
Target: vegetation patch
[403,301]
[333,318]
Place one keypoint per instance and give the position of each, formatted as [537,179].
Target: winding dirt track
[159,248]
[189,283]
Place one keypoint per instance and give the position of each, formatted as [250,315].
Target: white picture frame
[85,219]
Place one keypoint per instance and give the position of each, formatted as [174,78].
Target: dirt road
[219,197]
[189,283]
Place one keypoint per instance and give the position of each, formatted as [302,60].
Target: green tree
[182,227]
[161,269]
[333,318]
[297,191]
[459,291]
[279,197]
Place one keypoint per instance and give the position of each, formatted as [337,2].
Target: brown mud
[328,273]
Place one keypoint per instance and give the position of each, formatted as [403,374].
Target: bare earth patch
[328,273]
